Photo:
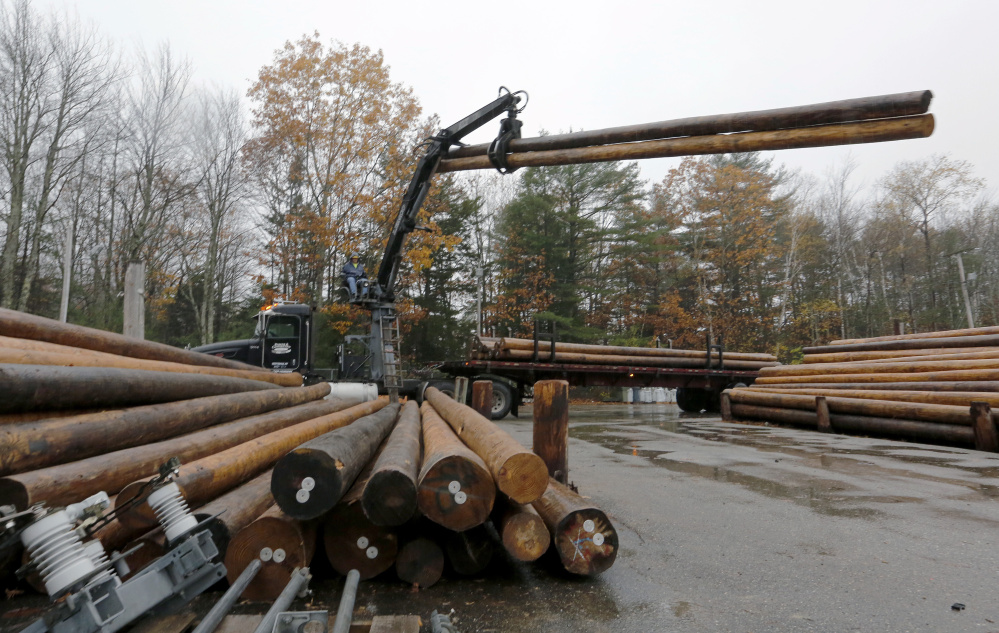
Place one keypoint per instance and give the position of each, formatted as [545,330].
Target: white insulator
[97,555]
[56,550]
[172,511]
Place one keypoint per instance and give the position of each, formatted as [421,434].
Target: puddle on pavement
[630,429]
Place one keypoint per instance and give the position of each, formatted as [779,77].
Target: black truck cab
[282,340]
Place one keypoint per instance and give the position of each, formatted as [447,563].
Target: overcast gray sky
[590,64]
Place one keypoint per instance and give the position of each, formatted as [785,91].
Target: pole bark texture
[551,426]
[44,443]
[389,496]
[455,488]
[311,479]
[518,473]
[584,537]
[482,397]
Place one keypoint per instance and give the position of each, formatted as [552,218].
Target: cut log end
[469,552]
[306,483]
[353,542]
[525,536]
[280,546]
[523,477]
[393,498]
[14,493]
[586,542]
[456,493]
[420,563]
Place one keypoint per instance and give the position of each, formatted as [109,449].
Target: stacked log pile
[935,387]
[85,410]
[867,120]
[279,474]
[519,349]
[374,500]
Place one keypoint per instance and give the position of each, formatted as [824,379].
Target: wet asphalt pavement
[727,527]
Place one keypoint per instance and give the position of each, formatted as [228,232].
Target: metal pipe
[228,599]
[299,581]
[345,612]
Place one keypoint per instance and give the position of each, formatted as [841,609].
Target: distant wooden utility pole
[964,289]
[67,271]
[135,308]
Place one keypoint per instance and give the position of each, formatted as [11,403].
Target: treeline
[737,248]
[232,201]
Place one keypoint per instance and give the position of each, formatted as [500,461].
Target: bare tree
[26,60]
[837,205]
[222,185]
[156,147]
[929,191]
[83,73]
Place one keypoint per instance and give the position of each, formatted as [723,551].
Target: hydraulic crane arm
[419,186]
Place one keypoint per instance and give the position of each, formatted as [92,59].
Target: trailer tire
[502,400]
[691,400]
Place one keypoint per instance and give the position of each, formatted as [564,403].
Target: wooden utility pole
[67,271]
[521,529]
[135,308]
[551,426]
[986,438]
[281,543]
[352,541]
[482,397]
[312,478]
[964,290]
[420,562]
[583,535]
[389,496]
[519,473]
[455,487]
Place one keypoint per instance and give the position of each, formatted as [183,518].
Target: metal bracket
[714,346]
[302,622]
[509,130]
[549,336]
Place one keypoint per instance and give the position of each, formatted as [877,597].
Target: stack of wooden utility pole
[273,470]
[929,387]
[377,500]
[481,347]
[519,349]
[85,410]
[866,120]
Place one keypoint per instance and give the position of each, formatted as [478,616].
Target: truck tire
[502,400]
[691,400]
[446,387]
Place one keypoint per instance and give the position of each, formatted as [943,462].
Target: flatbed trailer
[697,388]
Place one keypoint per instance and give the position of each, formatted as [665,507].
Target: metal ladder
[390,355]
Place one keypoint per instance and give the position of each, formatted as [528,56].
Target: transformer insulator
[57,552]
[172,511]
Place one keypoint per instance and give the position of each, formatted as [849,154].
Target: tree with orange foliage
[332,130]
[733,215]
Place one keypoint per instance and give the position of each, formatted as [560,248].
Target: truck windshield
[282,327]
